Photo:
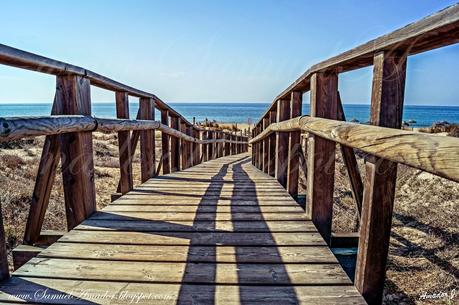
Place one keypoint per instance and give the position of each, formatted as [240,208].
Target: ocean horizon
[239,112]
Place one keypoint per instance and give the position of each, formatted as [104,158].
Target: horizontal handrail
[14,128]
[432,153]
[434,31]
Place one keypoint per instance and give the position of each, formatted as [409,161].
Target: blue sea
[242,112]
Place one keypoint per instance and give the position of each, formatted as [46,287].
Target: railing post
[190,152]
[283,113]
[74,97]
[221,136]
[227,144]
[272,146]
[389,72]
[196,147]
[175,146]
[265,144]
[321,154]
[205,151]
[210,148]
[124,144]
[183,146]
[294,146]
[147,140]
[165,150]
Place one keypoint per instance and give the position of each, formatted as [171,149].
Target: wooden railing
[276,146]
[68,140]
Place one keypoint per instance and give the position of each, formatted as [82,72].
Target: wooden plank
[196,148]
[44,181]
[321,155]
[23,253]
[210,147]
[147,141]
[172,216]
[352,166]
[195,254]
[20,288]
[165,145]
[175,146]
[202,273]
[184,147]
[124,144]
[73,95]
[202,208]
[271,227]
[296,102]
[272,145]
[265,147]
[283,112]
[389,73]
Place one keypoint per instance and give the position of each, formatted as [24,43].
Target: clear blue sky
[215,50]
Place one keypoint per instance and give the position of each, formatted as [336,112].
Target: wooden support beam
[44,181]
[196,148]
[165,145]
[23,253]
[220,145]
[283,113]
[210,147]
[183,146]
[190,154]
[272,146]
[124,144]
[265,144]
[74,97]
[205,147]
[175,146]
[227,146]
[351,164]
[387,97]
[147,140]
[296,102]
[321,154]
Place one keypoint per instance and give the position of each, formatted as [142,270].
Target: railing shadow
[278,270]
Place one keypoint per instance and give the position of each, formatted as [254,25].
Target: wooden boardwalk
[222,232]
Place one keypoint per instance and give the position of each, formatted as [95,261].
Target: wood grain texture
[257,236]
[296,102]
[74,97]
[124,144]
[165,144]
[147,141]
[321,155]
[387,97]
[283,113]
[44,181]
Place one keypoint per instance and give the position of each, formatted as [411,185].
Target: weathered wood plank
[202,273]
[296,102]
[321,155]
[175,146]
[165,146]
[44,181]
[147,140]
[196,254]
[74,97]
[124,144]
[378,198]
[283,113]
[171,294]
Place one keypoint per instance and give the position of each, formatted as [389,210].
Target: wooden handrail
[15,128]
[434,31]
[431,153]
